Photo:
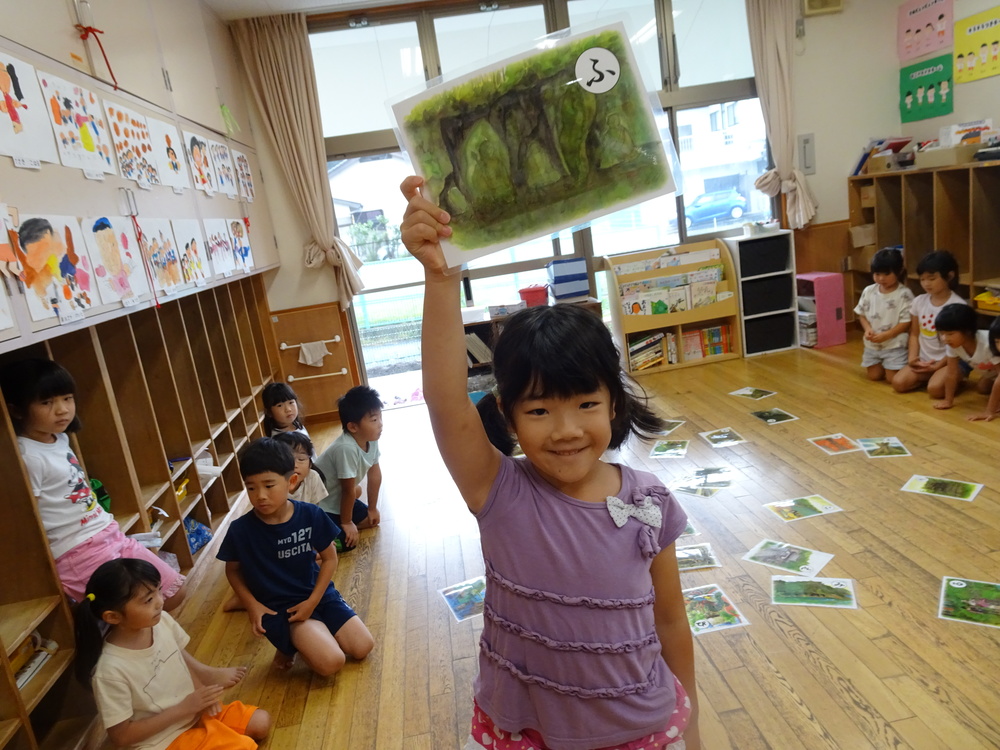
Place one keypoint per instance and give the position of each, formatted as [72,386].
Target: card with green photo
[788,557]
[690,530]
[813,592]
[669,449]
[883,447]
[704,482]
[941,487]
[696,557]
[753,393]
[966,600]
[709,608]
[802,507]
[465,599]
[774,416]
[669,425]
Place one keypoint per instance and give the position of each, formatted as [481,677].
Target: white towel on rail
[312,353]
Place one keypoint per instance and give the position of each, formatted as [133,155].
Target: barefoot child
[884,313]
[967,349]
[150,692]
[270,555]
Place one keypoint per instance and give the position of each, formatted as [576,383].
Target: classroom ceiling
[230,9]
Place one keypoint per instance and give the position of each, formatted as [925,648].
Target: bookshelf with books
[674,307]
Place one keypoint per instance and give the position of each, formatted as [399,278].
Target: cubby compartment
[771,332]
[758,256]
[767,294]
[918,213]
[889,211]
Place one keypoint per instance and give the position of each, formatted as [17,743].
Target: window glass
[721,164]
[541,247]
[639,18]
[467,41]
[357,70]
[503,290]
[713,42]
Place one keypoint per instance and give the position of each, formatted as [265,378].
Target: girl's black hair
[957,317]
[296,439]
[274,394]
[28,381]
[560,351]
[890,260]
[112,585]
[994,335]
[940,262]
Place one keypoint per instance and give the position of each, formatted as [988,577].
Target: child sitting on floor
[311,488]
[967,349]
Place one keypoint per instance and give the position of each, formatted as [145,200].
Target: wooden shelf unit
[954,208]
[628,328]
[160,383]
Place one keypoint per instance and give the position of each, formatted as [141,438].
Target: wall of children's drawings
[107,201]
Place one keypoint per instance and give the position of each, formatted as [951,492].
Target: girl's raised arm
[470,457]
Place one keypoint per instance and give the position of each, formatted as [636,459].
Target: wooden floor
[888,675]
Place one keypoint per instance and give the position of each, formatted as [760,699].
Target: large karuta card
[696,557]
[883,447]
[940,487]
[709,608]
[835,444]
[669,449]
[966,600]
[752,393]
[788,557]
[802,507]
[813,592]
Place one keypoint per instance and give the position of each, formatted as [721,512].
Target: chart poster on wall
[117,259]
[977,46]
[202,170]
[925,90]
[244,177]
[77,119]
[57,272]
[192,251]
[130,134]
[923,27]
[220,246]
[168,153]
[551,138]
[160,252]
[25,132]
[225,173]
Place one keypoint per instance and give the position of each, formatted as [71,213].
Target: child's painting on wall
[56,269]
[24,126]
[192,250]
[240,236]
[168,153]
[244,177]
[117,259]
[220,246]
[78,121]
[160,251]
[225,173]
[202,170]
[130,134]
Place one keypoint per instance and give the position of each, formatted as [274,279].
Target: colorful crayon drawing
[81,133]
[130,134]
[56,268]
[25,131]
[192,250]
[240,236]
[220,247]
[117,259]
[202,170]
[10,266]
[225,173]
[244,177]
[168,153]
[160,252]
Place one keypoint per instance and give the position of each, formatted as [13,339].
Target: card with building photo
[709,608]
[724,437]
[813,592]
[883,447]
[835,444]
[941,487]
[788,557]
[752,393]
[696,557]
[973,602]
[774,416]
[669,449]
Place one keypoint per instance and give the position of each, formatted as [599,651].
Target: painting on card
[56,269]
[78,121]
[25,132]
[117,259]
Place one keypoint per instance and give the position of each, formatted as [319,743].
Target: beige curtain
[772,33]
[277,59]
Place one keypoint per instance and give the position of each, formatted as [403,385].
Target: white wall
[845,84]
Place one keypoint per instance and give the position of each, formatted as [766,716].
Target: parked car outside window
[721,205]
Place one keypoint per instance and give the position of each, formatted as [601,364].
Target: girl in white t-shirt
[968,349]
[884,313]
[281,410]
[41,399]
[150,692]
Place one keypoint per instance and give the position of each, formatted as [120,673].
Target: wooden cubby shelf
[19,619]
[7,730]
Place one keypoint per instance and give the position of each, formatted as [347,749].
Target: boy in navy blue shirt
[271,563]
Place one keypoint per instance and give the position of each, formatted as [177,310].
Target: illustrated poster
[202,171]
[220,247]
[244,177]
[925,90]
[977,46]
[240,237]
[81,131]
[56,271]
[923,27]
[117,258]
[130,133]
[168,153]
[225,172]
[192,250]
[160,252]
[548,139]
[25,131]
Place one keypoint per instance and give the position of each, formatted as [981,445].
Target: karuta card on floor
[752,393]
[973,602]
[669,425]
[835,444]
[696,557]
[690,530]
[465,599]
[724,437]
[703,482]
[774,416]
[883,447]
[709,608]
[788,557]
[802,507]
[941,487]
[813,592]
[669,449]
